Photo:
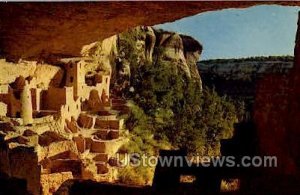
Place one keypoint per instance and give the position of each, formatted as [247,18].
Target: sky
[235,33]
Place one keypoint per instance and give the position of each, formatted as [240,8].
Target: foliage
[141,141]
[136,175]
[170,110]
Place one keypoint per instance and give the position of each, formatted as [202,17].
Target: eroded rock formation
[39,30]
[123,54]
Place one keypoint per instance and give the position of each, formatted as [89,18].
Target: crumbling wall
[13,104]
[51,182]
[10,71]
[21,162]
[36,98]
[3,109]
[51,103]
[57,147]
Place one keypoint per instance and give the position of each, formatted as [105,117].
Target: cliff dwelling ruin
[74,129]
[60,115]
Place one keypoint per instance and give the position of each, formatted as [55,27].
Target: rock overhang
[40,30]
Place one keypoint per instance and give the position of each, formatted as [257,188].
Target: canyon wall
[277,113]
[238,78]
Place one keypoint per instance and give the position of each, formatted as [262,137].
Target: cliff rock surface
[33,30]
[238,78]
[123,54]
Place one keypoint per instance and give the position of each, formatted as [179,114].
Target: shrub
[169,110]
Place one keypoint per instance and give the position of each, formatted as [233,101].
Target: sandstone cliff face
[42,73]
[183,50]
[103,54]
[113,56]
[63,28]
[123,53]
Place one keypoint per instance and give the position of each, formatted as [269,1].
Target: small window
[18,114]
[71,65]
[71,79]
[187,178]
[230,185]
[106,80]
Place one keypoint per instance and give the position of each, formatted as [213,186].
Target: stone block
[98,146]
[102,168]
[85,121]
[101,134]
[80,143]
[51,182]
[101,157]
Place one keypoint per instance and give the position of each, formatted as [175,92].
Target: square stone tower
[75,77]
